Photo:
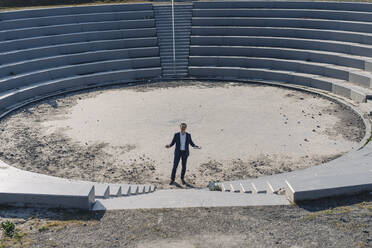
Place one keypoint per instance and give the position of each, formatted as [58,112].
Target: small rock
[306,140]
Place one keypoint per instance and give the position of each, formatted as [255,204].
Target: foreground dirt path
[343,222]
[119,134]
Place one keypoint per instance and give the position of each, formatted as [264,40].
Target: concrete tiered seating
[49,51]
[321,45]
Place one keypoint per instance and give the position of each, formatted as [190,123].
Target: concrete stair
[163,17]
[270,41]
[108,190]
[51,51]
[321,45]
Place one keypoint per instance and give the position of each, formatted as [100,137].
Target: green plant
[216,188]
[8,228]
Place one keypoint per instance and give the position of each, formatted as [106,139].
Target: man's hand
[167,146]
[197,147]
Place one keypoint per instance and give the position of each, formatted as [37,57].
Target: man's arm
[192,143]
[173,141]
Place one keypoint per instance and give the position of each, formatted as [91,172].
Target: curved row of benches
[46,51]
[322,45]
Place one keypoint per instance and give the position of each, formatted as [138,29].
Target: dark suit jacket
[176,140]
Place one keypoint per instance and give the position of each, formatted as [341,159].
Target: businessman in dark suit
[182,141]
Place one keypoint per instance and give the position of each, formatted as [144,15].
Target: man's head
[183,127]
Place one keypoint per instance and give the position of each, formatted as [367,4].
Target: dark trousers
[177,157]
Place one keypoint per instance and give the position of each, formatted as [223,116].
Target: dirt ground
[118,134]
[337,222]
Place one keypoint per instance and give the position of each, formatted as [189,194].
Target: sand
[119,134]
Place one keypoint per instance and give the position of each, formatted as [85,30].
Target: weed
[8,228]
[216,188]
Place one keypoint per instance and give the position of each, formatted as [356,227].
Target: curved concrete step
[339,25]
[359,77]
[19,44]
[47,12]
[306,44]
[19,96]
[339,59]
[348,6]
[76,18]
[326,34]
[53,73]
[74,28]
[288,13]
[25,66]
[337,87]
[80,47]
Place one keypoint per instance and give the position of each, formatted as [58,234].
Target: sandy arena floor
[119,134]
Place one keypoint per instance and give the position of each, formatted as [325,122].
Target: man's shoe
[171,182]
[183,181]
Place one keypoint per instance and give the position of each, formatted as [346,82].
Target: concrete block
[56,195]
[321,84]
[245,187]
[368,66]
[134,190]
[152,188]
[234,187]
[302,79]
[362,80]
[258,188]
[141,189]
[115,190]
[102,190]
[358,96]
[341,90]
[224,187]
[125,189]
[327,186]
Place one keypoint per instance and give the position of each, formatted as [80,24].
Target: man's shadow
[187,185]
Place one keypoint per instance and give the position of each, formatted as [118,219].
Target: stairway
[263,185]
[105,190]
[163,18]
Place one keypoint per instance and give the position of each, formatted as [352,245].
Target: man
[182,141]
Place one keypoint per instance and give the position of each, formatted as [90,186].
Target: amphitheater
[324,48]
